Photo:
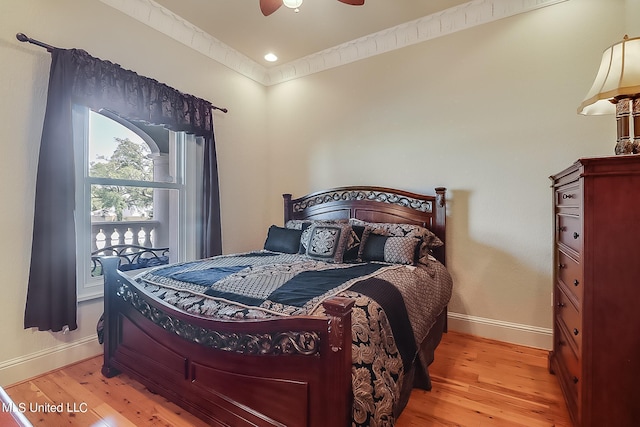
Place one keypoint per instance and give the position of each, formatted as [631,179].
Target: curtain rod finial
[23,38]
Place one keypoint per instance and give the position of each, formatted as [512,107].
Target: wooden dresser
[596,350]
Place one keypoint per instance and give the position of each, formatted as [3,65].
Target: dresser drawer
[569,195]
[569,375]
[570,318]
[570,275]
[570,231]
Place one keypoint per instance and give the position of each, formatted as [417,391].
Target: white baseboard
[516,333]
[31,365]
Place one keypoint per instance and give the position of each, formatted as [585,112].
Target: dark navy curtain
[77,77]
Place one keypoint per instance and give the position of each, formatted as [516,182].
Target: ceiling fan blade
[353,2]
[269,6]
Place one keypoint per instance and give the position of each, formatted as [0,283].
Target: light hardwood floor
[476,383]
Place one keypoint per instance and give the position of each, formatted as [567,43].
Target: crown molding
[163,20]
[458,18]
[448,21]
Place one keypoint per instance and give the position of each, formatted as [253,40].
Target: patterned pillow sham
[305,226]
[328,242]
[401,230]
[395,250]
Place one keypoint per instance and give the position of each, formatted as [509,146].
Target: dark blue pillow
[285,240]
[373,249]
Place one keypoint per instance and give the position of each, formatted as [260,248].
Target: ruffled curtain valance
[103,84]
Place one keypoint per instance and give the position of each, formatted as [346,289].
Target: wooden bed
[293,371]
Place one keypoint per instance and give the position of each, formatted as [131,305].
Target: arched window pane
[116,151]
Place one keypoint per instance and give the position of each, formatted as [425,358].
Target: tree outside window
[130,161]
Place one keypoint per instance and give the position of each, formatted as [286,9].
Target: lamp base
[627,117]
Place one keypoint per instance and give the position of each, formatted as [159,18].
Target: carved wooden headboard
[374,204]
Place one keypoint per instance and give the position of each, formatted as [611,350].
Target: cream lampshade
[616,89]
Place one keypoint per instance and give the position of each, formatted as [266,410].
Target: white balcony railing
[137,243]
[109,233]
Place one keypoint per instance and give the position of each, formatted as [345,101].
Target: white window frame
[184,203]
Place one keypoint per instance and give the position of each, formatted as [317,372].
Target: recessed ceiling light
[270,57]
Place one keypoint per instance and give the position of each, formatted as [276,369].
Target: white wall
[489,113]
[108,34]
[631,14]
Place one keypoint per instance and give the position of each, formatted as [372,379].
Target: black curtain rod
[23,38]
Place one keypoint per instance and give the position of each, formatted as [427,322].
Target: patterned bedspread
[395,307]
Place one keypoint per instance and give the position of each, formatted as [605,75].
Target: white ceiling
[319,25]
[324,34]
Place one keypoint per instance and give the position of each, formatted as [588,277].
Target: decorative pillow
[353,243]
[328,242]
[305,224]
[285,240]
[401,230]
[304,238]
[302,224]
[351,254]
[396,250]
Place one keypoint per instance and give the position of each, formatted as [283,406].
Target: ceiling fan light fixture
[292,4]
[267,7]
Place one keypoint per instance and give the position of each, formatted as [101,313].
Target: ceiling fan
[269,6]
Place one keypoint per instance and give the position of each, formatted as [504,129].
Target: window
[136,184]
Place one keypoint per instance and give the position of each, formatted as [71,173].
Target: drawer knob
[567,196]
[560,305]
[576,235]
[575,331]
[561,266]
[575,380]
[576,282]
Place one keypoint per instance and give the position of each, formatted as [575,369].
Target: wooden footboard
[284,372]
